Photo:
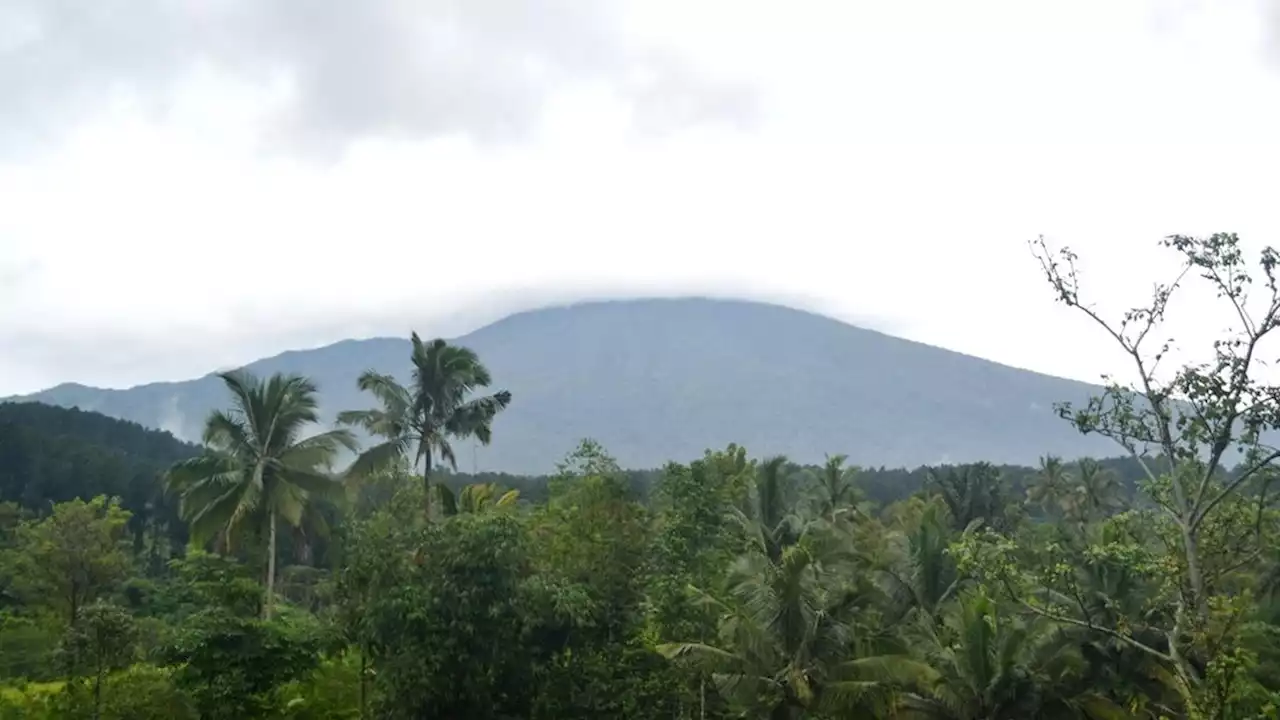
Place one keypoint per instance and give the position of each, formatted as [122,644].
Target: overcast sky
[189,185]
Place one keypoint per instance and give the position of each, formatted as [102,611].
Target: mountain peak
[664,378]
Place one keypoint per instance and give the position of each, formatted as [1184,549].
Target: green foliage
[592,536]
[234,666]
[446,629]
[140,692]
[27,644]
[52,455]
[103,638]
[332,692]
[72,557]
[628,682]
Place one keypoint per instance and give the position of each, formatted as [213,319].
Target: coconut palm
[788,637]
[475,498]
[766,515]
[1052,486]
[257,466]
[988,664]
[420,421]
[837,493]
[920,573]
[1097,490]
[972,493]
[798,621]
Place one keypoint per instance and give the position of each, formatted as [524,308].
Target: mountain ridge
[664,378]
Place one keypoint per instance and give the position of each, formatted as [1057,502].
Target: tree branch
[1232,486]
[1116,635]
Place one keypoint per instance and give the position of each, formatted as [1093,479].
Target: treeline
[880,485]
[50,454]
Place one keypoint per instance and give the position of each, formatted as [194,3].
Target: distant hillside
[664,379]
[51,454]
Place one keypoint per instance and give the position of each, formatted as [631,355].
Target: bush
[27,647]
[28,701]
[332,692]
[140,692]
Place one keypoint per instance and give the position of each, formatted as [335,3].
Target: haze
[194,185]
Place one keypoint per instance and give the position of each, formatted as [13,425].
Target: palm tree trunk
[271,567]
[426,486]
[702,698]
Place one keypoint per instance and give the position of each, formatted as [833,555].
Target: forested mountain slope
[655,380]
[51,454]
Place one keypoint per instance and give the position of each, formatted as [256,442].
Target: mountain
[659,380]
[53,454]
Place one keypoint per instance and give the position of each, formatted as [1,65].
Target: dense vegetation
[722,587]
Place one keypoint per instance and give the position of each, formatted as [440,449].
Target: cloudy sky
[188,185]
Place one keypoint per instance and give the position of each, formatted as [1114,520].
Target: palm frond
[376,458]
[319,450]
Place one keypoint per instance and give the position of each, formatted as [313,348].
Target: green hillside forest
[265,573]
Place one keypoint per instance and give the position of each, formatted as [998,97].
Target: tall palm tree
[256,465]
[419,421]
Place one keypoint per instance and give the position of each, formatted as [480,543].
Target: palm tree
[766,516]
[1052,486]
[256,465]
[476,498]
[837,493]
[972,493]
[1098,492]
[788,636]
[921,574]
[419,421]
[988,664]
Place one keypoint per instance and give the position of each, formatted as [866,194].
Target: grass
[17,693]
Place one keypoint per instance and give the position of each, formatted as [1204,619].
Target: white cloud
[889,161]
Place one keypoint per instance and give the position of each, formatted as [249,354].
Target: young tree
[73,556]
[419,421]
[257,467]
[104,639]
